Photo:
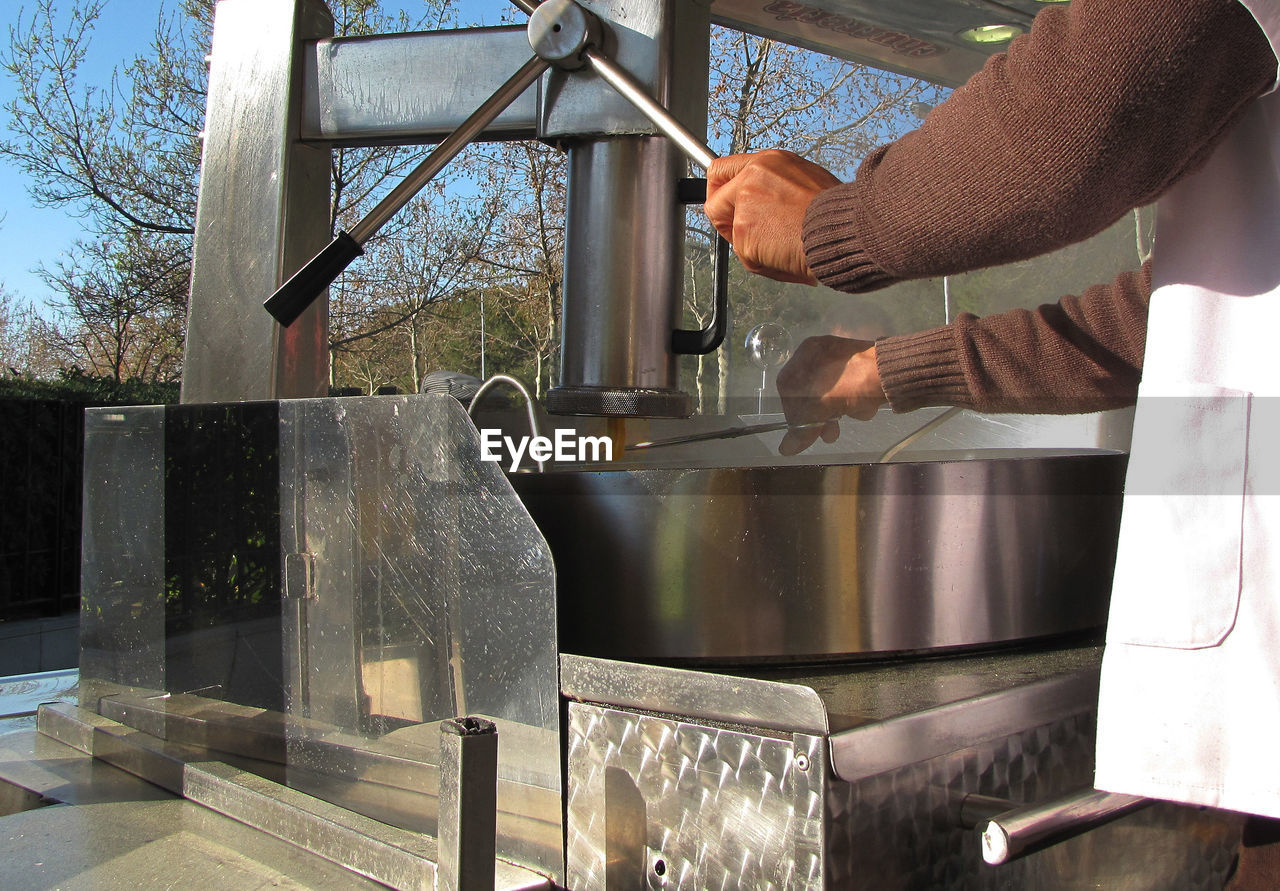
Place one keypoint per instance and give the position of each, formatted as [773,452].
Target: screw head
[802,761]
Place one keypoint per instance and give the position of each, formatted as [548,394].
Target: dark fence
[41,455]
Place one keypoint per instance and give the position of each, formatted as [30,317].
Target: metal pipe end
[995,844]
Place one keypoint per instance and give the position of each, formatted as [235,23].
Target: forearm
[1097,110]
[1081,354]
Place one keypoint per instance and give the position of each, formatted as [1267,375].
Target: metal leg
[468,803]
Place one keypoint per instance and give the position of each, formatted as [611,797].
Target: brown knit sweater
[1100,108]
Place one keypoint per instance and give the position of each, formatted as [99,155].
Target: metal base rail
[395,857]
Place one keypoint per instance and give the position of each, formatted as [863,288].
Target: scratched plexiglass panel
[181,557]
[122,552]
[416,588]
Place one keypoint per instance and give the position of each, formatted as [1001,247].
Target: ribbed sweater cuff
[921,369]
[831,245]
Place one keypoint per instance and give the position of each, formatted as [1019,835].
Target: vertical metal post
[263,210]
[624,228]
[468,810]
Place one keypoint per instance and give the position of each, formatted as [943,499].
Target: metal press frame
[281,93]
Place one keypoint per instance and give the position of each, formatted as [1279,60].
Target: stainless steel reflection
[805,562]
[262,211]
[416,87]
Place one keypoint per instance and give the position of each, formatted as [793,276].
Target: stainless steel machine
[331,621]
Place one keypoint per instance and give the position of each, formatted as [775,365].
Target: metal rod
[1037,826]
[447,150]
[919,432]
[635,93]
[535,429]
[724,433]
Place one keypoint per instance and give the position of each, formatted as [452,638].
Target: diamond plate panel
[657,803]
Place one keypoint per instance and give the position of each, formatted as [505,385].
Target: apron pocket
[1177,579]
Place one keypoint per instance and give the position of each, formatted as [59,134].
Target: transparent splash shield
[307,588]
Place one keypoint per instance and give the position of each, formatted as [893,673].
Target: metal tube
[693,147]
[468,804]
[446,151]
[1036,826]
[622,284]
[535,429]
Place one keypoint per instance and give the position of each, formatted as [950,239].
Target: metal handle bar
[630,89]
[295,295]
[1025,830]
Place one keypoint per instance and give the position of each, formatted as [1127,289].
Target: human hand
[827,378]
[758,201]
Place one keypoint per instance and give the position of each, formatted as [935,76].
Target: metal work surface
[775,705]
[840,700]
[803,563]
[117,829]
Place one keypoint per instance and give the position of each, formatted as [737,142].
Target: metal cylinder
[622,285]
[1037,826]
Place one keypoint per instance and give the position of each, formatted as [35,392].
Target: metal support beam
[263,210]
[413,88]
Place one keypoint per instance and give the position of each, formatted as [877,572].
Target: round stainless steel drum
[816,562]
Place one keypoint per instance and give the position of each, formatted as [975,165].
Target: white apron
[1189,708]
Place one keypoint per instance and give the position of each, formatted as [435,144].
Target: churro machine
[331,620]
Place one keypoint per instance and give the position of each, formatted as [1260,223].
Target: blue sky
[33,235]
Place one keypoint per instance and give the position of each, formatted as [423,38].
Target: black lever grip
[293,297]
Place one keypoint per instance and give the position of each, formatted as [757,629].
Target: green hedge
[74,385]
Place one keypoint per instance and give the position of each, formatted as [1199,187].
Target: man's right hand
[758,202]
[828,378]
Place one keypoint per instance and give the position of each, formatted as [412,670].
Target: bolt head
[560,31]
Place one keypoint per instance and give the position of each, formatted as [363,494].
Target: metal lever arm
[694,148]
[568,36]
[295,295]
